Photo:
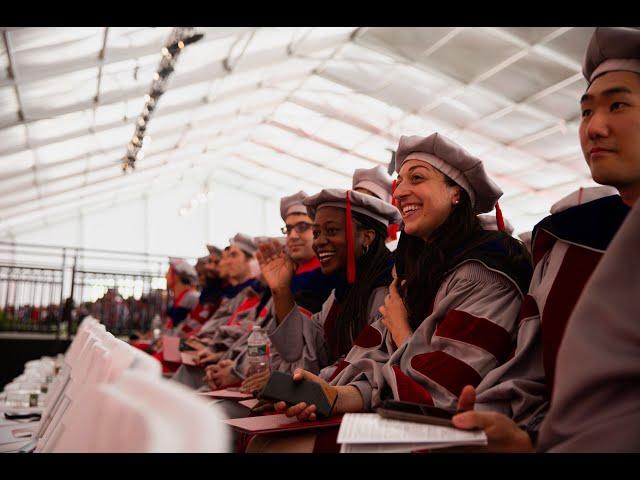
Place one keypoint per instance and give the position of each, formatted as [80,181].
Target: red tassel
[499,218]
[393,229]
[351,254]
[580,196]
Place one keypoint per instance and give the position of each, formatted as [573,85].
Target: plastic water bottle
[258,351]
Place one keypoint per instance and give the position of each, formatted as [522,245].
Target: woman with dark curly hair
[451,314]
[349,231]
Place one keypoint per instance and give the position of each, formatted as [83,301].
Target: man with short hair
[181,281]
[211,292]
[567,247]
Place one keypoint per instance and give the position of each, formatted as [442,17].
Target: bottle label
[257,350]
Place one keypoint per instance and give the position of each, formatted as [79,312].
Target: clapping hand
[276,266]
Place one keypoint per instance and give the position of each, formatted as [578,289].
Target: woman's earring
[365,249]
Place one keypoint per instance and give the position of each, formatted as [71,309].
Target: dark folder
[282,387]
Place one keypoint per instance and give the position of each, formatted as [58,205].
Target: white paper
[389,447]
[368,428]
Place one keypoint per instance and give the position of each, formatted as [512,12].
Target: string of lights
[180,37]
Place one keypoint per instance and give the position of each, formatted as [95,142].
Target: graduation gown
[594,407]
[182,306]
[470,330]
[229,306]
[310,288]
[303,340]
[235,310]
[567,247]
[223,331]
[208,303]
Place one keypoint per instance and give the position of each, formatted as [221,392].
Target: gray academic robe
[595,405]
[563,263]
[300,340]
[469,332]
[237,325]
[217,333]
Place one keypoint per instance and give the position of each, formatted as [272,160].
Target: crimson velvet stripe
[480,332]
[543,243]
[528,309]
[446,370]
[248,304]
[342,364]
[576,269]
[369,337]
[310,266]
[409,390]
[329,329]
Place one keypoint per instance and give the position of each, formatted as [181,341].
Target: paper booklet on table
[228,394]
[279,423]
[188,358]
[369,432]
[171,349]
[250,403]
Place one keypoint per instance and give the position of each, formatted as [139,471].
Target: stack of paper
[371,433]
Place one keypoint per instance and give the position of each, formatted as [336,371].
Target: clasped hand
[394,315]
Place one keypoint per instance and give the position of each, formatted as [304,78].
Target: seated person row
[309,283]
[462,287]
[186,310]
[309,286]
[213,282]
[236,276]
[567,247]
[244,294]
[375,182]
[573,227]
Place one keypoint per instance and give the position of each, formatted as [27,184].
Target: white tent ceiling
[281,109]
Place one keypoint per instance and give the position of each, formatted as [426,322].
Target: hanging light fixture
[180,37]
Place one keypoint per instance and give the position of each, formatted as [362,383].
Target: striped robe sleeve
[518,388]
[470,331]
[299,338]
[594,406]
[222,314]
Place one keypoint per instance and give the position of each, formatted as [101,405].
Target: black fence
[49,289]
[30,298]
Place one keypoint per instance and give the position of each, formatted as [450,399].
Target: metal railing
[30,298]
[50,289]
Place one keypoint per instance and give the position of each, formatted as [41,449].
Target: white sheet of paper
[362,428]
[389,447]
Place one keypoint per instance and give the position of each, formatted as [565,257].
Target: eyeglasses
[299,227]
